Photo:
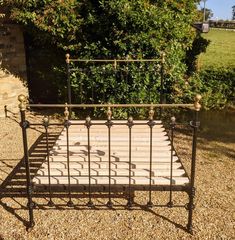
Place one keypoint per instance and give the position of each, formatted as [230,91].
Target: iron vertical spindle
[151,124]
[67,60]
[195,125]
[46,124]
[130,124]
[24,125]
[109,203]
[150,204]
[162,80]
[67,124]
[5,111]
[170,203]
[109,125]
[88,125]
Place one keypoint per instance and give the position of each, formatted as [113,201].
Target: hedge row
[217,86]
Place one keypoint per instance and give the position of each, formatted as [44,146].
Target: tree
[116,29]
[233,13]
[208,14]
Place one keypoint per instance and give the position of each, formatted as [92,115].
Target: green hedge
[108,29]
[217,86]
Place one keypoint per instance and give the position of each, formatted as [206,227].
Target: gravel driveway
[214,216]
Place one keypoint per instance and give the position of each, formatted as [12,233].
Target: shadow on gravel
[15,182]
[14,185]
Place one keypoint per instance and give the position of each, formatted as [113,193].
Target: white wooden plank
[114,165]
[119,148]
[78,151]
[115,138]
[125,158]
[114,180]
[114,172]
[114,154]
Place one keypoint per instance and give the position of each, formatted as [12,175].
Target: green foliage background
[119,29]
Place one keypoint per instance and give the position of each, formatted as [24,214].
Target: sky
[222,9]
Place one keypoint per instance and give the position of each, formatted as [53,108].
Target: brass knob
[66,112]
[67,56]
[45,119]
[130,119]
[173,119]
[23,102]
[197,104]
[22,98]
[109,113]
[88,119]
[151,113]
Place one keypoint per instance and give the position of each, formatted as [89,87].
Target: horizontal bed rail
[155,105]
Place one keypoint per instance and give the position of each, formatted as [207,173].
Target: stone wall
[13,76]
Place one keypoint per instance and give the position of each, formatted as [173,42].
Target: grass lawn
[221,51]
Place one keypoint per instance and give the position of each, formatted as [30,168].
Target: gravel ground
[214,216]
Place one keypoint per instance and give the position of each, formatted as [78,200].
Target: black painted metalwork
[151,124]
[130,124]
[88,125]
[195,125]
[68,82]
[109,125]
[46,125]
[67,124]
[5,111]
[130,187]
[170,203]
[24,125]
[162,81]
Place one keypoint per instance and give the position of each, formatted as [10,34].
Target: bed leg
[130,196]
[29,189]
[190,207]
[191,191]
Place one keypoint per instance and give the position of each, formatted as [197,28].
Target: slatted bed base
[108,157]
[120,159]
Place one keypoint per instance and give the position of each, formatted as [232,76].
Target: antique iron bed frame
[109,123]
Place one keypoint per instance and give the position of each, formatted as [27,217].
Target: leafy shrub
[217,86]
[116,29]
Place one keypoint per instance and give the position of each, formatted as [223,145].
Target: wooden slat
[115,138]
[117,154]
[125,158]
[114,165]
[115,148]
[114,180]
[114,172]
[140,162]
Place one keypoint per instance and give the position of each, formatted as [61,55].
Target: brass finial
[66,112]
[88,119]
[197,104]
[109,113]
[173,119]
[163,57]
[67,56]
[151,113]
[115,64]
[45,120]
[23,102]
[130,119]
